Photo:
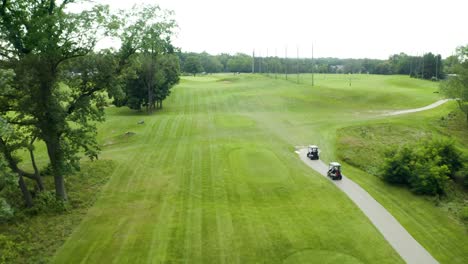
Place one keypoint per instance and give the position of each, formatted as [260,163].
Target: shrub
[429,178]
[8,250]
[46,202]
[443,152]
[396,168]
[424,167]
[6,212]
[464,213]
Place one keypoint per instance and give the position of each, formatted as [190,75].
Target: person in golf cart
[313,152]
[334,171]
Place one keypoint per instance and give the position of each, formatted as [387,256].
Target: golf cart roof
[335,164]
[313,146]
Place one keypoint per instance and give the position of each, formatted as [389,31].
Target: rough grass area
[34,239]
[437,222]
[365,146]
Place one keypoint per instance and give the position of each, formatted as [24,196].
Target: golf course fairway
[213,177]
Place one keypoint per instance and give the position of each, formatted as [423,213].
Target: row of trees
[54,87]
[426,66]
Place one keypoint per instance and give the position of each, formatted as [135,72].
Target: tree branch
[23,123]
[51,7]
[73,105]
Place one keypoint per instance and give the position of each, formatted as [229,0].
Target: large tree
[165,72]
[193,65]
[456,86]
[146,37]
[38,40]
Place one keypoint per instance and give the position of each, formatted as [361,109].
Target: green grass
[213,177]
[34,238]
[437,225]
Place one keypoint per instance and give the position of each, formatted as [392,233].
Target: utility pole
[410,65]
[422,69]
[297,63]
[313,65]
[286,62]
[267,68]
[253,61]
[260,63]
[276,64]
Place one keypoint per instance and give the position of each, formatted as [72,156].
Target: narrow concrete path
[401,112]
[408,248]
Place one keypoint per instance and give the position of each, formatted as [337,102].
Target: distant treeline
[428,66]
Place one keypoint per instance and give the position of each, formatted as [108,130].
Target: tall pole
[253,61]
[411,66]
[437,67]
[297,64]
[313,64]
[260,63]
[422,73]
[267,68]
[276,64]
[286,62]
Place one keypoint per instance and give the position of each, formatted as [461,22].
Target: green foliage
[8,250]
[192,65]
[147,67]
[34,234]
[425,167]
[166,73]
[39,41]
[45,203]
[464,213]
[6,212]
[240,63]
[456,87]
[396,169]
[210,64]
[396,64]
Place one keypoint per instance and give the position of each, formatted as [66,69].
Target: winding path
[401,112]
[409,249]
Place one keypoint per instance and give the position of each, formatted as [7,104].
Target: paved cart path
[408,248]
[434,105]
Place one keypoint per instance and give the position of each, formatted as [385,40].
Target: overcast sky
[337,28]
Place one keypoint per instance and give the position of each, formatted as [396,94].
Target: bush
[464,213]
[424,167]
[396,169]
[6,212]
[429,179]
[445,153]
[8,250]
[46,202]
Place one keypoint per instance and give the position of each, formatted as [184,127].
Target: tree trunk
[37,175]
[56,157]
[51,123]
[24,189]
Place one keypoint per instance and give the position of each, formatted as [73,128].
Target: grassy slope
[438,228]
[35,239]
[184,188]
